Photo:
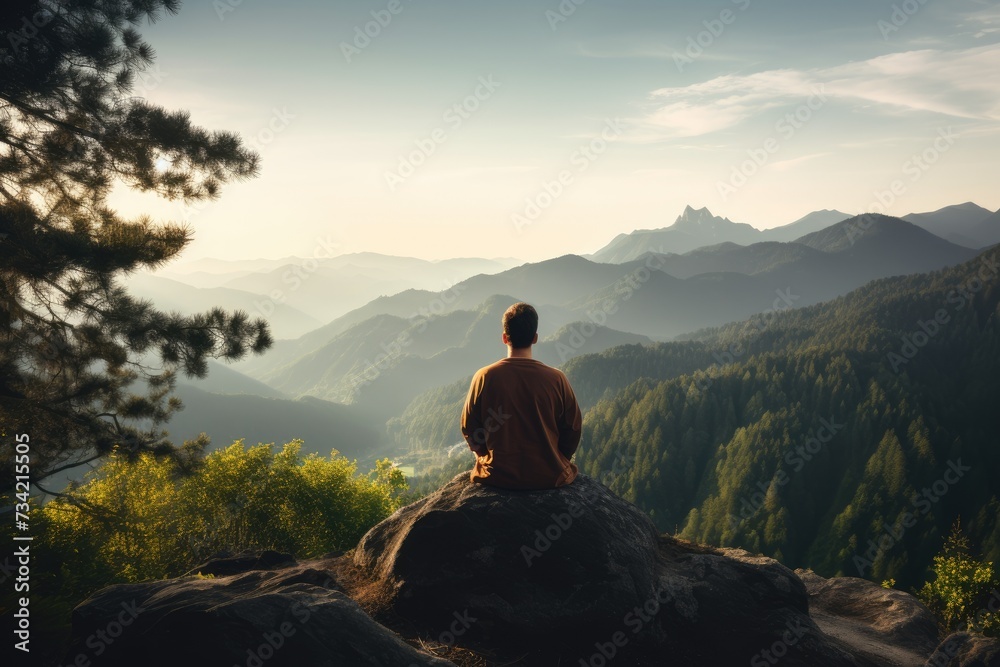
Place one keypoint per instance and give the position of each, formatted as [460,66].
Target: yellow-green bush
[142,519]
[964,593]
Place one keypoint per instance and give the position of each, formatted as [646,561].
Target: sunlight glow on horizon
[455,120]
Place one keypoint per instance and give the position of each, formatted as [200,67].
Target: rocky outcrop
[570,576]
[293,616]
[577,574]
[886,626]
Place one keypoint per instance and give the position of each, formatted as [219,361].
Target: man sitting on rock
[521,417]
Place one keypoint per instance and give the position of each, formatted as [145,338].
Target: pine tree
[84,366]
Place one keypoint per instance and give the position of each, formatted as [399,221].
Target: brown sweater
[522,421]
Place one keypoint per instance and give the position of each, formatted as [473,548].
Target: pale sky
[434,137]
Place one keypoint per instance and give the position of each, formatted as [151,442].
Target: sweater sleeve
[472,425]
[571,422]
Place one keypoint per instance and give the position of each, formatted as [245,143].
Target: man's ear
[535,339]
[504,339]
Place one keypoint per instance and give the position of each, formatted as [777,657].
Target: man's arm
[472,425]
[571,423]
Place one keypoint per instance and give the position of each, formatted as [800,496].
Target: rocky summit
[574,576]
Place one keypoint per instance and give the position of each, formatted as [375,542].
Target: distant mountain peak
[700,217]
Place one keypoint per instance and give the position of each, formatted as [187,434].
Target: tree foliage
[964,592]
[85,367]
[137,518]
[815,443]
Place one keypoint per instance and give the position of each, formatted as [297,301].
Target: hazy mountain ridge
[962,224]
[285,321]
[968,225]
[692,229]
[326,287]
[381,364]
[322,425]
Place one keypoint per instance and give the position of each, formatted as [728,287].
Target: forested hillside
[845,437]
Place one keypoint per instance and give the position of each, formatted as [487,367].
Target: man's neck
[518,352]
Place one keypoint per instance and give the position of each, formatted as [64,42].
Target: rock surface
[887,626]
[296,616]
[961,649]
[563,577]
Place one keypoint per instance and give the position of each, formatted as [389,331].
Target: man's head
[520,326]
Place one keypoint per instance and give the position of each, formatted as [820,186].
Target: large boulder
[293,616]
[576,575]
[526,568]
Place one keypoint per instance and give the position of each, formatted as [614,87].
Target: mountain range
[325,287]
[968,225]
[380,358]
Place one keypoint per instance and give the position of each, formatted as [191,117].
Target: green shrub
[142,519]
[964,593]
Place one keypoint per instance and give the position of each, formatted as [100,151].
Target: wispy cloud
[986,20]
[957,83]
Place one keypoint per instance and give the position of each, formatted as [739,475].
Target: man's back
[522,420]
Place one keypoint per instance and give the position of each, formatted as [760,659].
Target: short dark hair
[520,323]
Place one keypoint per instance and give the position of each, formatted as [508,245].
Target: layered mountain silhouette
[696,228]
[168,294]
[382,363]
[968,225]
[322,287]
[965,224]
[693,228]
[381,356]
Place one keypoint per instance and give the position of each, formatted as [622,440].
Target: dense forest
[845,437]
